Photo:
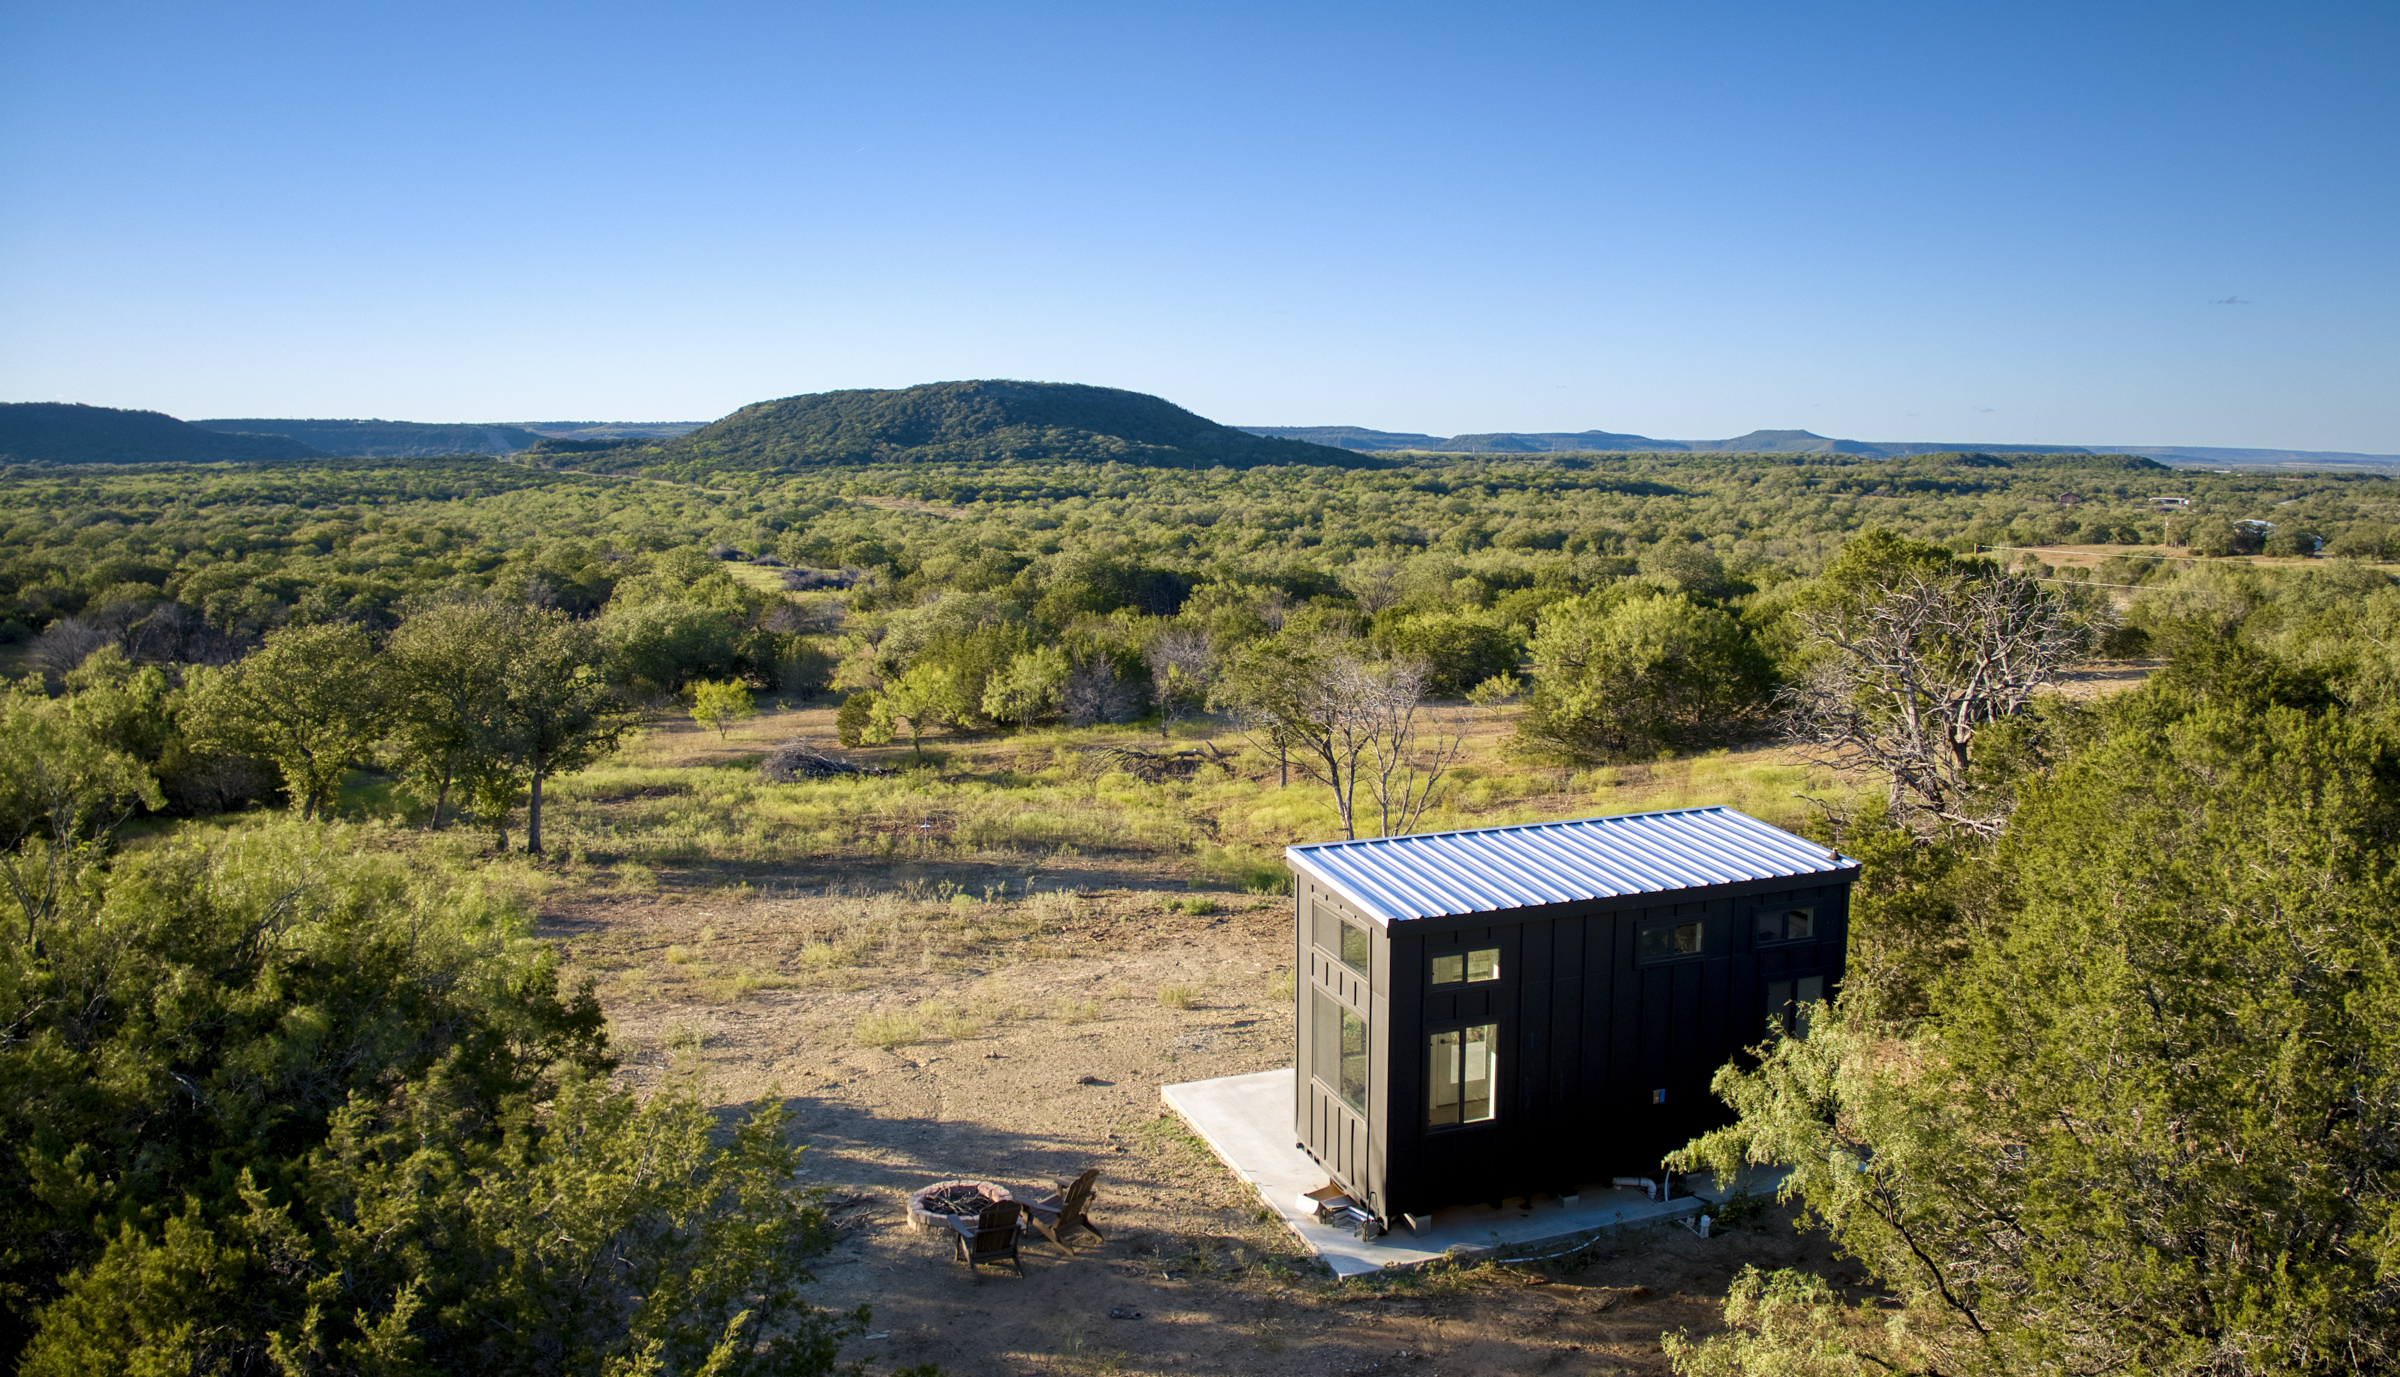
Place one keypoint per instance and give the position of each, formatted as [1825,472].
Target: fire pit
[952,1205]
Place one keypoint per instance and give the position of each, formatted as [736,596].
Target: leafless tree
[1348,723]
[1094,693]
[1181,670]
[1911,673]
[1408,749]
[64,643]
[1376,585]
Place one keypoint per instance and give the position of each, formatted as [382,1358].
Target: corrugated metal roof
[1440,874]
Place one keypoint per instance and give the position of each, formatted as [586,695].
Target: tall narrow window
[1338,1049]
[1465,1066]
[1354,1061]
[1789,1002]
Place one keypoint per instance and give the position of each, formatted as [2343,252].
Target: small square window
[1471,967]
[1666,941]
[1786,924]
[1354,947]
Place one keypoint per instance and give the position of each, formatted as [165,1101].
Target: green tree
[2145,1122]
[660,646]
[718,704]
[557,708]
[447,664]
[1634,671]
[63,792]
[1459,649]
[1030,690]
[855,720]
[312,700]
[926,696]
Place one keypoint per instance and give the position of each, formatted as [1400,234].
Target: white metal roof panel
[1445,874]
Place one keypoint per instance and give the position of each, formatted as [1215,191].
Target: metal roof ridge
[1472,870]
[1527,827]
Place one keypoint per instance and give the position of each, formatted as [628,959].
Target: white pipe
[1643,1184]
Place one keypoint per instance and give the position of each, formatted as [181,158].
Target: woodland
[292,752]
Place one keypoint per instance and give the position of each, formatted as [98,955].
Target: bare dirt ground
[1027,1039]
[2099,678]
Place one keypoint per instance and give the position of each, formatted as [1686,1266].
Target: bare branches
[1917,669]
[1181,670]
[1347,722]
[1403,761]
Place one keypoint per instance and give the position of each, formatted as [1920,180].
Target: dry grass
[676,801]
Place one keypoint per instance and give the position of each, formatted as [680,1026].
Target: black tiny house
[1513,1011]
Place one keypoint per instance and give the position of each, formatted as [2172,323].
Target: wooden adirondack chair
[992,1239]
[1061,1213]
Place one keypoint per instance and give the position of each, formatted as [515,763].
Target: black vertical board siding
[1565,1146]
[1530,1035]
[1629,1079]
[1402,1146]
[1599,1111]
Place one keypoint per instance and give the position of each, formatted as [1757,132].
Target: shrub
[1459,648]
[335,1105]
[855,717]
[1624,675]
[718,704]
[888,1031]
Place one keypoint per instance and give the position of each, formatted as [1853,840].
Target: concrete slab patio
[1247,1121]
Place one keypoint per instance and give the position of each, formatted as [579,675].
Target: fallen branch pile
[1153,766]
[792,762]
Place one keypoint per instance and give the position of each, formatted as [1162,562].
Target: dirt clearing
[923,1024]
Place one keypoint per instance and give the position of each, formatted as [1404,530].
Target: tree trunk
[533,813]
[441,798]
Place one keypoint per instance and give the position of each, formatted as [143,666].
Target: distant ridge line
[1368,441]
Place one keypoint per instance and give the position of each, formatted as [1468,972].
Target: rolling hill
[71,433]
[985,421]
[387,439]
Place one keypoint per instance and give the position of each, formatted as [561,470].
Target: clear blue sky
[1919,220]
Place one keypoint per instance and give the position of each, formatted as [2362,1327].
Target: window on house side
[1327,927]
[1465,1066]
[1338,1051]
[1354,947]
[1789,1002]
[1354,1061]
[1668,940]
[1786,924]
[1470,967]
